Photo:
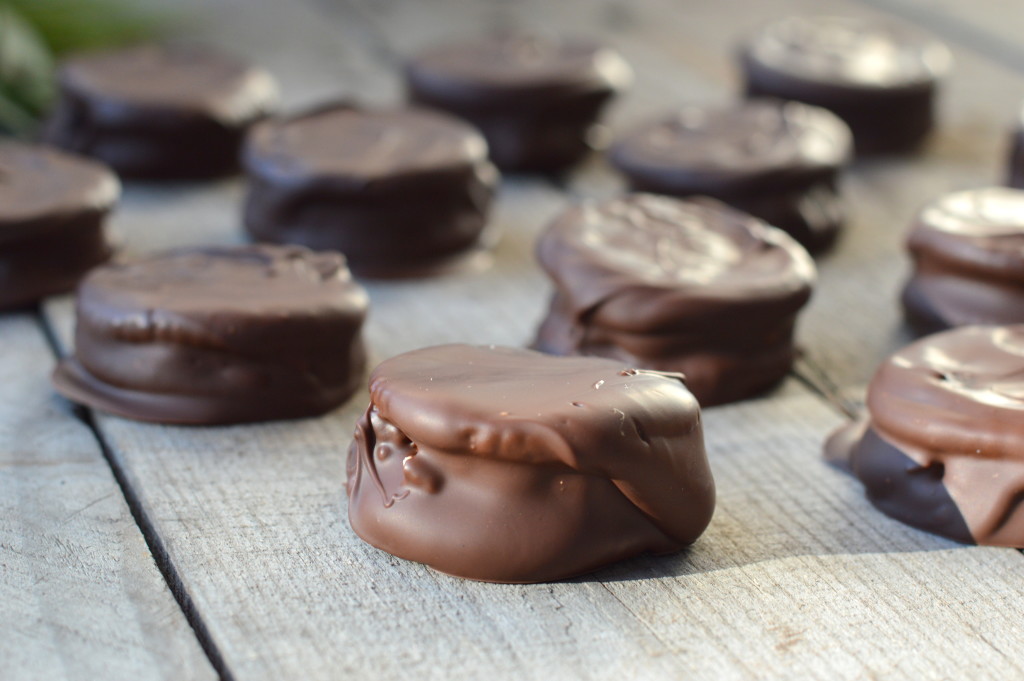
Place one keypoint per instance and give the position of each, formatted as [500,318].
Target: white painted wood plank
[81,596]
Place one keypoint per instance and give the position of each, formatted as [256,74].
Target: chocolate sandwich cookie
[880,78]
[217,335]
[779,161]
[536,100]
[159,112]
[52,209]
[942,446]
[505,465]
[399,192]
[691,286]
[968,251]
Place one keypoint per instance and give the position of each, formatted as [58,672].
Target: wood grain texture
[82,597]
[797,576]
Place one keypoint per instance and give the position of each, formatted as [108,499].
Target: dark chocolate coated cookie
[52,209]
[881,78]
[968,252]
[507,465]
[159,112]
[400,192]
[535,99]
[779,161]
[942,445]
[677,285]
[217,335]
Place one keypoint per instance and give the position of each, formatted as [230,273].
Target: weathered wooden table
[132,551]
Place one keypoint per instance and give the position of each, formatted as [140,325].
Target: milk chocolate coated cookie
[536,100]
[777,161]
[159,112]
[880,78]
[506,465]
[52,209]
[942,448]
[968,251]
[400,192]
[690,286]
[217,335]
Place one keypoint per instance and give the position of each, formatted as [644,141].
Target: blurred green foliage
[35,33]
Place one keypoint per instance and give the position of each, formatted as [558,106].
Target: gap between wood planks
[142,521]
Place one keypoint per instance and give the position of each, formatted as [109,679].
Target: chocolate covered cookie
[968,252]
[536,100]
[217,335]
[677,285]
[881,78]
[942,446]
[52,209]
[159,112]
[400,192]
[506,465]
[777,161]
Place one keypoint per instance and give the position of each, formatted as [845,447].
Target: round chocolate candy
[507,465]
[942,446]
[968,251]
[778,161]
[880,78]
[217,335]
[400,193]
[159,112]
[691,286]
[536,100]
[52,209]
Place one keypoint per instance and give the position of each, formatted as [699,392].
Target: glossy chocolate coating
[535,100]
[677,285]
[159,112]
[777,161]
[953,404]
[217,335]
[507,465]
[400,192]
[52,209]
[968,252]
[880,78]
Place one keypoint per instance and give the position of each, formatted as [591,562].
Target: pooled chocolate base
[505,465]
[53,262]
[897,485]
[267,394]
